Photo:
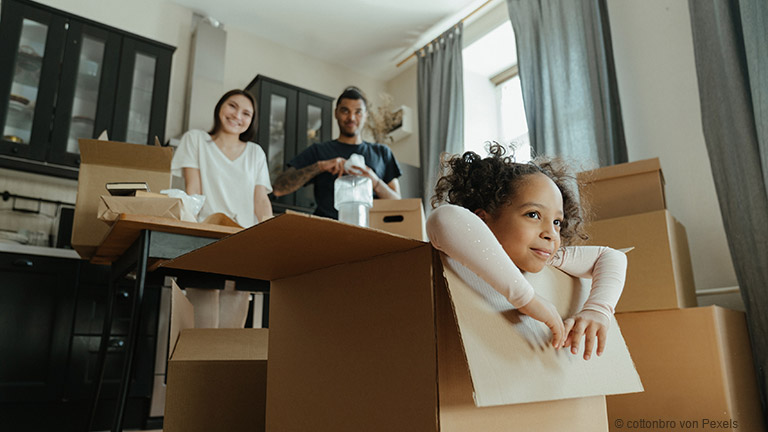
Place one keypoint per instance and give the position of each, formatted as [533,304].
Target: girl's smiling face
[528,228]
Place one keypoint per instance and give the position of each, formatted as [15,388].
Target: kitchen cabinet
[51,317]
[290,120]
[64,77]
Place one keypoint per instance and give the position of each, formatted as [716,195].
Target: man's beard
[349,134]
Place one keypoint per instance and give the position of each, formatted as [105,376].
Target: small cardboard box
[110,207]
[102,162]
[366,334]
[624,189]
[404,217]
[659,272]
[217,378]
[697,369]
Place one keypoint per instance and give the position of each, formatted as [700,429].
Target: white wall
[248,56]
[653,48]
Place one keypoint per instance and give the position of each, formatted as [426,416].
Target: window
[493,103]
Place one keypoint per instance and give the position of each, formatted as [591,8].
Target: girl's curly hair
[491,183]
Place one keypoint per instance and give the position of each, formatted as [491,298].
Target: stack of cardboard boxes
[695,363]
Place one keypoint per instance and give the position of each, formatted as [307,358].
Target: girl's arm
[607,268]
[463,236]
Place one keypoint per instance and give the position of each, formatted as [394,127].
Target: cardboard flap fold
[182,316]
[624,169]
[291,244]
[123,155]
[508,354]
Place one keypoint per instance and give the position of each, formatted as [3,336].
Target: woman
[225,166]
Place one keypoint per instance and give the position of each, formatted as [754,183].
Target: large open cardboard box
[659,271]
[697,369]
[102,162]
[404,217]
[366,334]
[217,377]
[624,189]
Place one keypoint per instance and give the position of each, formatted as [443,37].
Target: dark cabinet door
[63,77]
[31,42]
[85,102]
[36,315]
[314,125]
[142,92]
[276,131]
[290,120]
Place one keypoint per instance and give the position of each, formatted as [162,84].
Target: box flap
[388,205]
[125,155]
[182,316]
[291,244]
[221,344]
[104,162]
[619,170]
[509,355]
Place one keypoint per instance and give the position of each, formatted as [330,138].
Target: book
[126,188]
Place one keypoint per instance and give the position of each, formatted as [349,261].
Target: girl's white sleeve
[463,236]
[605,266]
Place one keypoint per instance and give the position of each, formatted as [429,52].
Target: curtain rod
[413,54]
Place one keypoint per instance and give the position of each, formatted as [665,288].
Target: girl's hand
[590,325]
[544,311]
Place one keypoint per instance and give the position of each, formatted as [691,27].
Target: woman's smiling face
[528,228]
[236,114]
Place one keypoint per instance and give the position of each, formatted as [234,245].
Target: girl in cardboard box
[500,218]
[225,166]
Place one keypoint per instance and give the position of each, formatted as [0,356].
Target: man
[322,163]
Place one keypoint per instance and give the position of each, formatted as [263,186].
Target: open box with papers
[366,333]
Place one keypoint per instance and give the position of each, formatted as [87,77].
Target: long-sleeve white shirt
[463,236]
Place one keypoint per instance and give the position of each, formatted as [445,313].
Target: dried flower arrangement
[383,119]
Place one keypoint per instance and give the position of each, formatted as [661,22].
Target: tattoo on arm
[292,179]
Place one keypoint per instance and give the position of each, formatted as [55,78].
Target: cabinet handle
[21,262]
[116,343]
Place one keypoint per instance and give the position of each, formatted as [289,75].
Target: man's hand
[333,166]
[544,311]
[590,325]
[364,171]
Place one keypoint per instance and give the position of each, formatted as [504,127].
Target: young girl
[224,166]
[503,218]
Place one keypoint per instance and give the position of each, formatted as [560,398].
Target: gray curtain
[441,104]
[567,75]
[730,45]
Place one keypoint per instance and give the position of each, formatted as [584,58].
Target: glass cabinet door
[85,100]
[276,129]
[138,115]
[29,36]
[314,118]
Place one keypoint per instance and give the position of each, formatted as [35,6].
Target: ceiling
[369,36]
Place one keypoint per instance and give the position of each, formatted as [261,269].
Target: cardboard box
[623,189]
[659,272]
[697,369]
[363,336]
[404,217]
[110,207]
[102,162]
[217,378]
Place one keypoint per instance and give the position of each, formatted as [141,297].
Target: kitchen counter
[38,250]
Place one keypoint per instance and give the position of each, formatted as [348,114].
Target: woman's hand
[590,325]
[544,311]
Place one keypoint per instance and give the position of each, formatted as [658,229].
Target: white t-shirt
[227,184]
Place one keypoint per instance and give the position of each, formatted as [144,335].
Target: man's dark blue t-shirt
[377,156]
